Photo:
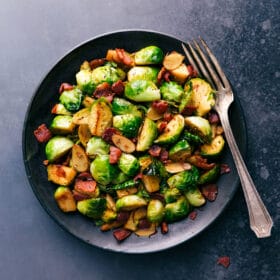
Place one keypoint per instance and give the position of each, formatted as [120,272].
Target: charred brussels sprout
[71,99]
[184,180]
[210,176]
[180,151]
[143,73]
[107,73]
[171,91]
[128,124]
[214,149]
[155,211]
[130,202]
[97,146]
[149,55]
[192,138]
[155,168]
[128,164]
[62,125]
[121,106]
[102,171]
[171,195]
[195,197]
[141,91]
[57,147]
[84,81]
[177,210]
[92,208]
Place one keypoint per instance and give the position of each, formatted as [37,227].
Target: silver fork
[206,64]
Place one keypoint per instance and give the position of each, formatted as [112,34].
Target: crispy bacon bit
[118,87]
[79,196]
[104,90]
[115,154]
[85,187]
[200,162]
[139,176]
[108,133]
[65,87]
[121,234]
[163,75]
[166,76]
[210,191]
[97,62]
[225,168]
[124,57]
[193,215]
[60,172]
[42,133]
[189,110]
[45,162]
[155,151]
[213,117]
[144,223]
[167,117]
[54,109]
[224,261]
[162,126]
[163,155]
[123,216]
[157,196]
[85,176]
[164,228]
[160,106]
[192,71]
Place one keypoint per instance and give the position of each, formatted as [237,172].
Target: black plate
[38,112]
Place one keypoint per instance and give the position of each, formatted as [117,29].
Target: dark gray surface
[245,37]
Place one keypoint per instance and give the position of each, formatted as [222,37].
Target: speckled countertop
[245,37]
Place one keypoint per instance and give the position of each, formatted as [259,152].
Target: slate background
[245,37]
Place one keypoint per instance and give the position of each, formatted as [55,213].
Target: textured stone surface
[245,37]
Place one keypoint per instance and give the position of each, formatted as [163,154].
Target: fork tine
[209,67]
[216,64]
[190,59]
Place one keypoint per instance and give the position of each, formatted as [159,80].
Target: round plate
[38,112]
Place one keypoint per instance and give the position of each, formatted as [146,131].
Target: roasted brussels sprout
[102,171]
[121,106]
[171,91]
[128,124]
[141,91]
[155,211]
[65,199]
[62,125]
[128,164]
[214,149]
[143,73]
[186,99]
[130,202]
[149,55]
[180,151]
[57,147]
[171,195]
[59,109]
[84,81]
[176,210]
[61,174]
[93,207]
[97,146]
[120,178]
[210,176]
[155,168]
[184,180]
[108,216]
[107,73]
[71,99]
[195,197]
[192,138]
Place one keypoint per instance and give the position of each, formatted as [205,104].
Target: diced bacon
[167,117]
[155,151]
[114,155]
[163,155]
[79,196]
[162,126]
[213,117]
[188,110]
[42,133]
[121,234]
[104,90]
[164,228]
[144,223]
[118,87]
[163,75]
[225,168]
[138,177]
[193,215]
[85,176]
[85,187]
[210,191]
[97,62]
[108,133]
[123,216]
[124,57]
[192,72]
[166,76]
[224,261]
[160,106]
[65,87]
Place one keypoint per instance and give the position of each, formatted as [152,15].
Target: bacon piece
[42,133]
[210,191]
[163,155]
[192,72]
[65,86]
[155,151]
[166,76]
[104,90]
[163,75]
[114,155]
[167,116]
[164,228]
[79,196]
[124,57]
[139,176]
[97,62]
[162,126]
[213,117]
[144,223]
[188,110]
[85,187]
[85,176]
[123,216]
[200,162]
[224,261]
[118,87]
[121,234]
[193,215]
[225,168]
[160,106]
[108,133]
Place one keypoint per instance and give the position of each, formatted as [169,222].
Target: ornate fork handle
[260,220]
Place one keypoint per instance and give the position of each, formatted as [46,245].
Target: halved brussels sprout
[141,91]
[184,180]
[97,146]
[171,91]
[143,73]
[59,109]
[155,211]
[195,197]
[84,81]
[62,124]
[108,216]
[128,164]
[147,135]
[93,207]
[210,176]
[186,99]
[172,131]
[102,171]
[214,149]
[71,99]
[107,73]
[130,202]
[128,124]
[121,106]
[199,126]
[120,178]
[149,55]
[176,210]
[65,200]
[171,195]
[192,138]
[180,151]
[57,147]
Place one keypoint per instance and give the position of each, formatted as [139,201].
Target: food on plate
[134,144]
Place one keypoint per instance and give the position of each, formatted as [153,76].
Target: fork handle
[260,220]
